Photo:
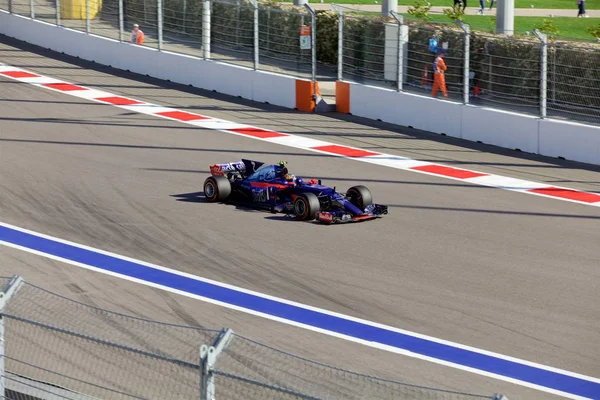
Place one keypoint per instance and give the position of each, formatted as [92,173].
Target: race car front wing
[336,217]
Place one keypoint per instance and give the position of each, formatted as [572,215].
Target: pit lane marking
[482,362]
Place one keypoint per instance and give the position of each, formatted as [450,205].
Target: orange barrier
[305,91]
[342,97]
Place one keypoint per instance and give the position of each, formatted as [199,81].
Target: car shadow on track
[192,197]
[198,197]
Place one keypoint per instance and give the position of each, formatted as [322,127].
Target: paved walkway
[520,12]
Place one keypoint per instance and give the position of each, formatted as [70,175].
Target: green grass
[543,4]
[569,28]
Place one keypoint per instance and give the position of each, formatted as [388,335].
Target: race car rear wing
[222,169]
[243,167]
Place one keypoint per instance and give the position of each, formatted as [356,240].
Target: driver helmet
[281,170]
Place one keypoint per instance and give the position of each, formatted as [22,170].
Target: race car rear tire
[217,188]
[306,206]
[360,196]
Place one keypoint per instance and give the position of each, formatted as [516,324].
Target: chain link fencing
[364,48]
[507,75]
[572,89]
[262,35]
[420,59]
[527,74]
[58,348]
[251,367]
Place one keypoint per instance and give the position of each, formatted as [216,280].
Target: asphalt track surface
[497,270]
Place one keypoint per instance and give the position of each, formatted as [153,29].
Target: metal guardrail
[57,348]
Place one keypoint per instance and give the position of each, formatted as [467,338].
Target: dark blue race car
[270,186]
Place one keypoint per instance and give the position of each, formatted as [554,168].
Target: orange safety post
[305,91]
[342,97]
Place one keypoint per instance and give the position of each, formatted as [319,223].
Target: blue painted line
[445,352]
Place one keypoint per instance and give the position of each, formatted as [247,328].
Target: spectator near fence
[137,36]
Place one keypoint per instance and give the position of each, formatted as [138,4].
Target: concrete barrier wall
[572,141]
[406,109]
[210,75]
[500,128]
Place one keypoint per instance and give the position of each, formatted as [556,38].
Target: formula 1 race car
[271,187]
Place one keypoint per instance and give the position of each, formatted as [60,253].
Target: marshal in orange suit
[439,79]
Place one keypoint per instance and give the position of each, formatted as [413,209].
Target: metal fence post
[206,30]
[237,22]
[159,12]
[256,42]
[87,16]
[340,72]
[9,290]
[543,71]
[467,61]
[388,7]
[208,360]
[553,78]
[57,12]
[32,9]
[184,15]
[313,45]
[121,20]
[402,39]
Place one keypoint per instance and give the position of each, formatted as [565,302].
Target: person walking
[581,5]
[481,7]
[492,4]
[137,36]
[439,79]
[457,4]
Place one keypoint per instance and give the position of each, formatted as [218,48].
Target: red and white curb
[300,142]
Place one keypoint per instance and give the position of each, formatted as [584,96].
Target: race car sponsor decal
[324,216]
[216,170]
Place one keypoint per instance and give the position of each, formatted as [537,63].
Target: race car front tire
[306,206]
[217,188]
[360,196]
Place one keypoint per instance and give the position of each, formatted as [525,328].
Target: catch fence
[57,348]
[530,74]
[258,35]
[527,74]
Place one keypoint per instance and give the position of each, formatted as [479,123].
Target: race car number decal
[260,195]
